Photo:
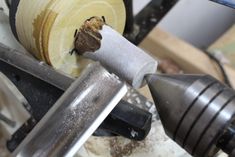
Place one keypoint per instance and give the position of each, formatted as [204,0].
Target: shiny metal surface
[199,129]
[75,116]
[34,67]
[219,124]
[199,106]
[196,111]
[167,89]
[36,80]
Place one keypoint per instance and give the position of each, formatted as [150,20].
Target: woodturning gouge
[37,80]
[75,116]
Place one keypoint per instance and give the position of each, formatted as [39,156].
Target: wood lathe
[32,24]
[196,111]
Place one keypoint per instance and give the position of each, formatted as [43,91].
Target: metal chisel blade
[75,116]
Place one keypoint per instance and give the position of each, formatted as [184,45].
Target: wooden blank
[46,27]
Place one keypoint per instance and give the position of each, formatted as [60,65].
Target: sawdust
[120,150]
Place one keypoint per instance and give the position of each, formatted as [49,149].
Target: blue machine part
[230,3]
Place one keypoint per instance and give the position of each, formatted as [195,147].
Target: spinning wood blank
[46,27]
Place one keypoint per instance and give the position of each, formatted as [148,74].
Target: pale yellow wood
[192,60]
[46,27]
